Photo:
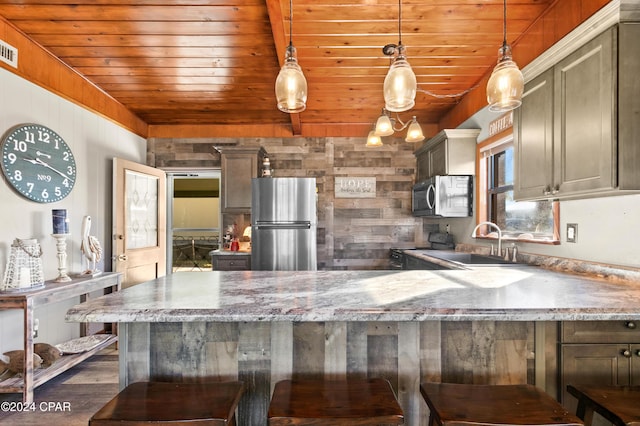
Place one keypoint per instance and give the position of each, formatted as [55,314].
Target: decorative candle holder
[61,252]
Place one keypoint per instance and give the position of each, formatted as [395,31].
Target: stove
[437,241]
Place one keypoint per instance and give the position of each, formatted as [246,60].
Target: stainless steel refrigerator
[283,224]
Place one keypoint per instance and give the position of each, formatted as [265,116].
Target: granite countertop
[230,253]
[487,293]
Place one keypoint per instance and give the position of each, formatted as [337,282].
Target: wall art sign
[501,123]
[355,187]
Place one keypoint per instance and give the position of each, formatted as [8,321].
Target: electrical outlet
[572,232]
[36,326]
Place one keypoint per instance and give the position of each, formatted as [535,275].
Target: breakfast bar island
[493,325]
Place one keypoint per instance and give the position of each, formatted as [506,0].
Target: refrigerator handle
[283,225]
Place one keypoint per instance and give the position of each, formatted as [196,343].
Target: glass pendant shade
[400,86]
[291,86]
[384,127]
[414,134]
[506,84]
[373,140]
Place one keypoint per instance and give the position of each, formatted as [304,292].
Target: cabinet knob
[626,353]
[556,189]
[546,190]
[630,324]
[638,352]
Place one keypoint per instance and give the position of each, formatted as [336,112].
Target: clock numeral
[29,137]
[31,185]
[12,157]
[57,191]
[70,170]
[66,183]
[20,146]
[65,155]
[45,194]
[17,175]
[43,137]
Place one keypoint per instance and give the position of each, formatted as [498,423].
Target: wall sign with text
[355,187]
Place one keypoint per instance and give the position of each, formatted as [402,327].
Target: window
[523,220]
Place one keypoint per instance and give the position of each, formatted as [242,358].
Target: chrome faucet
[473,234]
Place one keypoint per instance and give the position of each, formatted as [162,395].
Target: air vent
[8,54]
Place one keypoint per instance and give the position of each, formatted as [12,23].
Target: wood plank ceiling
[214,62]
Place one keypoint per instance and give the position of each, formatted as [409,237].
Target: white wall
[608,231]
[94,141]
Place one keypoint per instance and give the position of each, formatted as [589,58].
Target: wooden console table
[53,292]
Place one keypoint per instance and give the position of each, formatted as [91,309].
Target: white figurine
[90,247]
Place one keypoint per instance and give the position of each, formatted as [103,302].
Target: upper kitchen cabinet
[239,165]
[450,152]
[575,135]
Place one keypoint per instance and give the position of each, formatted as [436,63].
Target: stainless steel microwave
[443,196]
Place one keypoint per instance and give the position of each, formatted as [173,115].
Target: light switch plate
[572,232]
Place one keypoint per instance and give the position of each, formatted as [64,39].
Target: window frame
[493,145]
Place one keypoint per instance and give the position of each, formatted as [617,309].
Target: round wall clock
[38,163]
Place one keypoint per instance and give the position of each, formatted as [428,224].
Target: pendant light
[373,140]
[506,84]
[384,127]
[400,84]
[414,134]
[291,86]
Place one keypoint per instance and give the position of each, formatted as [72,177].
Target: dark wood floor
[85,387]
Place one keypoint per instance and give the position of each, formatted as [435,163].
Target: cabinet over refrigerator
[283,224]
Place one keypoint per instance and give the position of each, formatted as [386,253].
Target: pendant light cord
[291,23]
[504,24]
[400,22]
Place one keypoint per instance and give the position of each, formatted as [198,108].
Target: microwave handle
[431,188]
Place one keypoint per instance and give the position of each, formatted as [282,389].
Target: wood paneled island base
[261,354]
[485,326]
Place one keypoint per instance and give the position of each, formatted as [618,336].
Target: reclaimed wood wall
[353,233]
[261,354]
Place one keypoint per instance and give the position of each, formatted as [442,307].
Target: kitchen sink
[470,259]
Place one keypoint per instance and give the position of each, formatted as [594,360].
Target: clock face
[38,163]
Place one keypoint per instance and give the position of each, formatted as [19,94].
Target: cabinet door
[438,159]
[533,139]
[635,365]
[595,364]
[423,171]
[237,171]
[584,105]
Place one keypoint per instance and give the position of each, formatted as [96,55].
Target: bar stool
[351,402]
[618,404]
[146,403]
[458,404]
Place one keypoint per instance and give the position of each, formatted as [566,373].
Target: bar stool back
[351,402]
[146,403]
[618,404]
[490,405]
